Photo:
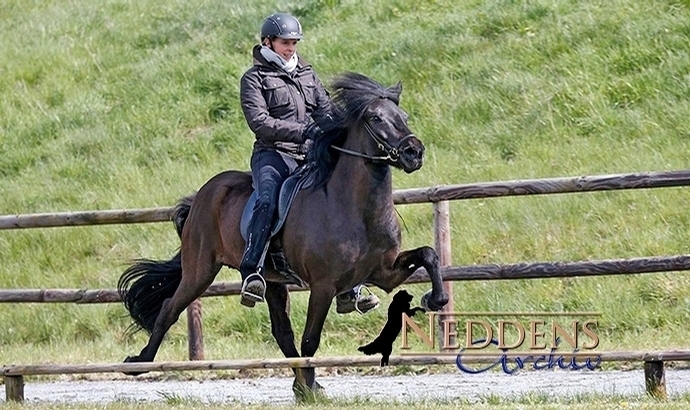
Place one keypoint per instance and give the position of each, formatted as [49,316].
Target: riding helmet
[281,25]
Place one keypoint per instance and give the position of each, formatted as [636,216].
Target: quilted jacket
[279,105]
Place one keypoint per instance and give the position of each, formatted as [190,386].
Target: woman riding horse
[280,95]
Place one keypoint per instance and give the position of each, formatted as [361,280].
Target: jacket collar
[260,61]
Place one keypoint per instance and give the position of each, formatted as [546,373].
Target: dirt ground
[278,390]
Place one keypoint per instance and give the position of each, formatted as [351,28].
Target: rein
[392,153]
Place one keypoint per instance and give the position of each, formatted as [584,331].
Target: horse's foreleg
[405,265]
[278,301]
[319,303]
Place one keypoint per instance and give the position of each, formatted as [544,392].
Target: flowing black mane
[352,93]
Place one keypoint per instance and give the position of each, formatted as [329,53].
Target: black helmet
[281,25]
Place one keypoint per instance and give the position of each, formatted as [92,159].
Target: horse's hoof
[429,304]
[133,359]
[306,395]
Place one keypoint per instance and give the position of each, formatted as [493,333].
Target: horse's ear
[396,90]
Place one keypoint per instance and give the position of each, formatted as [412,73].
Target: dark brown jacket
[278,106]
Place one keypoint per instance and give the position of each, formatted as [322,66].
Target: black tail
[145,285]
[181,212]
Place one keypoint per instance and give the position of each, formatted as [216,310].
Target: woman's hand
[312,132]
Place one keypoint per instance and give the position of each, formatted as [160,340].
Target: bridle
[392,153]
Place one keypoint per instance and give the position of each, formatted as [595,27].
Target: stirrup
[358,297]
[253,290]
[358,303]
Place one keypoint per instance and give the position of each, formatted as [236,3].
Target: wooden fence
[439,196]
[434,194]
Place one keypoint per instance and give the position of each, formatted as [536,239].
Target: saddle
[303,177]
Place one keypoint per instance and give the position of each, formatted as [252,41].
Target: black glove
[312,132]
[305,147]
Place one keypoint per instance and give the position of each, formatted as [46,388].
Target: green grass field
[117,105]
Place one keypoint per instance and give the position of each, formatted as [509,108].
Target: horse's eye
[375,118]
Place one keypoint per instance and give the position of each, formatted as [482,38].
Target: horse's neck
[363,186]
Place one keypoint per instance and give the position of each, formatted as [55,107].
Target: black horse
[340,232]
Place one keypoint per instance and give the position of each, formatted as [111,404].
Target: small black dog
[384,341]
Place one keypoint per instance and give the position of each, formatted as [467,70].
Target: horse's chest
[385,239]
[380,231]
[377,238]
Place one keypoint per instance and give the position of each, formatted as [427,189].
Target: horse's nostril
[413,153]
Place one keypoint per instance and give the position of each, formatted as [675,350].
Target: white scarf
[272,56]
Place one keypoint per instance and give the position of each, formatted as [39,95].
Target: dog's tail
[369,349]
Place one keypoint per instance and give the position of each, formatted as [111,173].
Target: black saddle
[301,178]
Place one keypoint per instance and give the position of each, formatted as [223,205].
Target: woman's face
[284,47]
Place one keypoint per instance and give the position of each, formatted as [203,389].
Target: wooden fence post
[195,334]
[14,388]
[655,379]
[443,248]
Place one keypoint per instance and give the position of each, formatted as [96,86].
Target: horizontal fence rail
[450,273]
[613,182]
[59,219]
[302,362]
[661,179]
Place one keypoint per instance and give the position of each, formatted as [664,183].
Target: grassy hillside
[117,104]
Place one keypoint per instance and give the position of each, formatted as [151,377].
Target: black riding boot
[251,267]
[275,251]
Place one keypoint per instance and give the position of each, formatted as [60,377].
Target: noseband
[391,153]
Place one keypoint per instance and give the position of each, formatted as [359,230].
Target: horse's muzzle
[411,155]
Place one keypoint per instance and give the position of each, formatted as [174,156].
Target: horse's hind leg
[405,264]
[198,272]
[278,301]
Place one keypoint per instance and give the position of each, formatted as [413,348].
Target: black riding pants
[269,170]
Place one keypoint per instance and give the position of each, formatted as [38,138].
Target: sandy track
[408,387]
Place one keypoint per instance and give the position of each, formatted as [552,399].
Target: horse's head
[391,139]
[372,114]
